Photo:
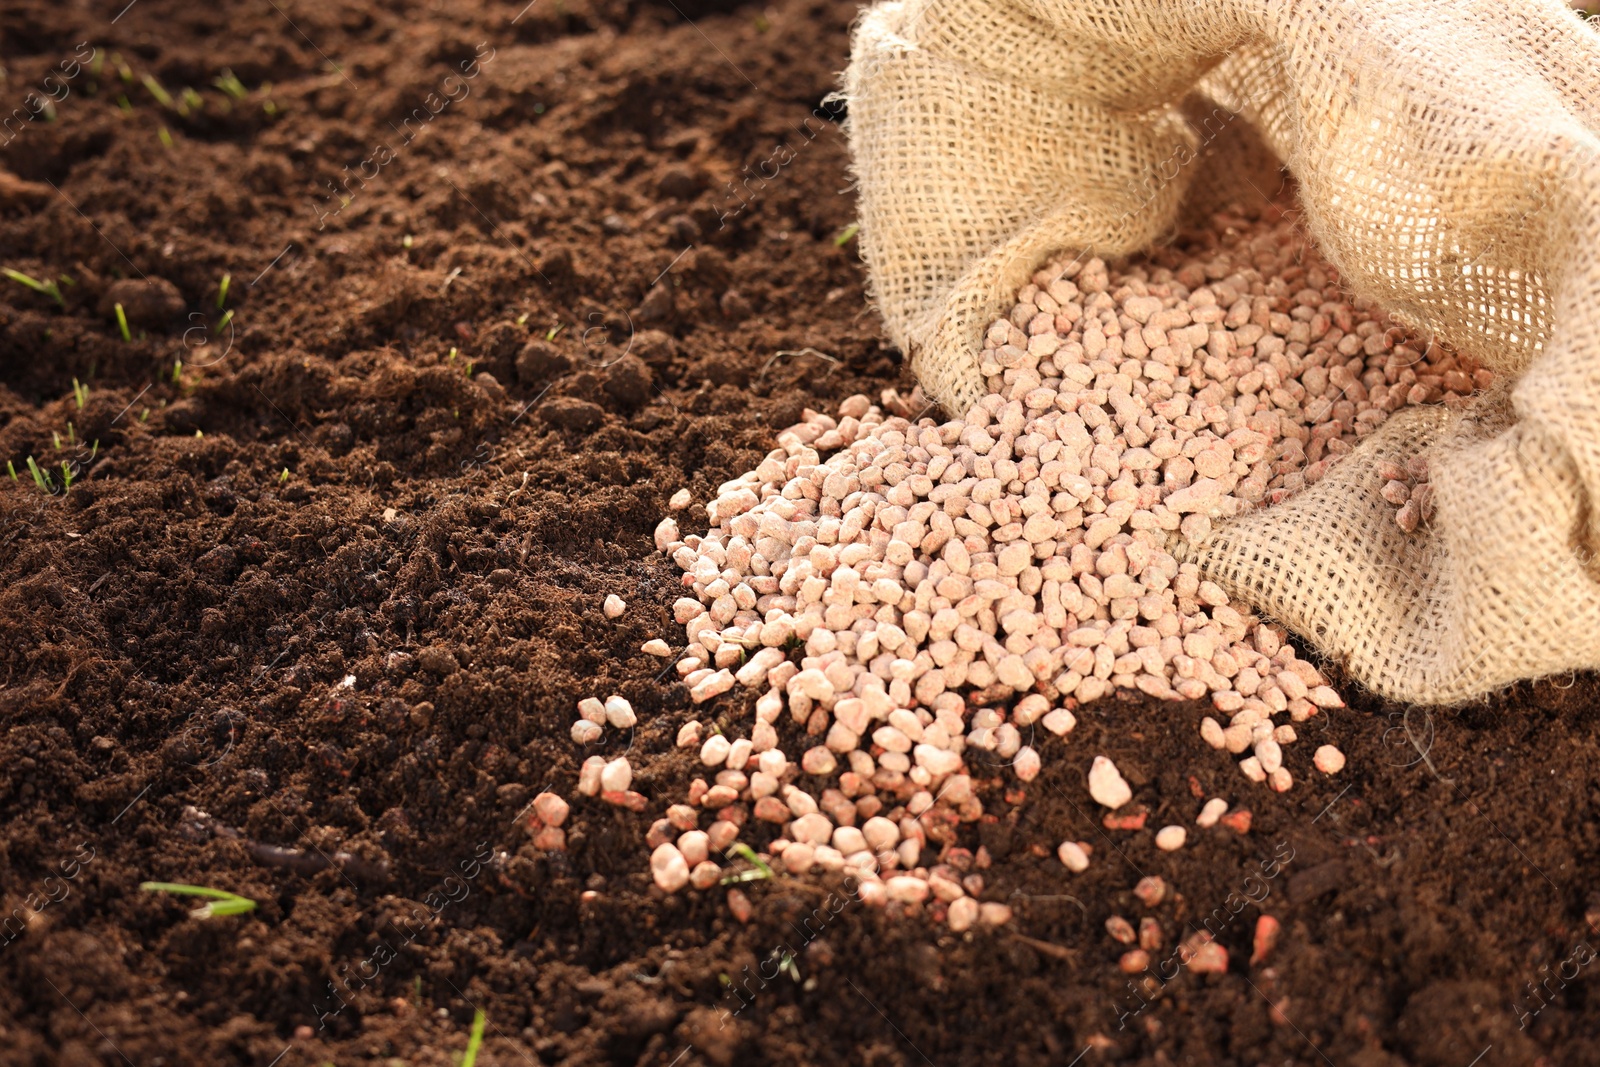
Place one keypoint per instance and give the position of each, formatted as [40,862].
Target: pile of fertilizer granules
[919,596]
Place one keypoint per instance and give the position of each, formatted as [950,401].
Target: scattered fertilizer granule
[1408,490]
[1029,549]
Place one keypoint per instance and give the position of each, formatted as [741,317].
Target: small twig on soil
[1019,895]
[833,363]
[1055,951]
[302,862]
[294,859]
[1412,737]
[660,975]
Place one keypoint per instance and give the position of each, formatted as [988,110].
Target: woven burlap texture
[1448,164]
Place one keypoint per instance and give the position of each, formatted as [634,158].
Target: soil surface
[312,618]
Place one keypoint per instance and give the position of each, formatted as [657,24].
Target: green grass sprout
[474,1039]
[166,137]
[177,370]
[50,289]
[221,903]
[229,83]
[66,475]
[761,873]
[155,89]
[227,317]
[122,324]
[189,101]
[40,478]
[222,290]
[284,476]
[847,233]
[11,469]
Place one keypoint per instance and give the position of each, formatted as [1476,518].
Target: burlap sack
[1448,164]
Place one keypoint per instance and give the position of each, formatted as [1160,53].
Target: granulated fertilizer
[1027,554]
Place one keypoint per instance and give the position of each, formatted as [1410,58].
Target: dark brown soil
[439,429]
